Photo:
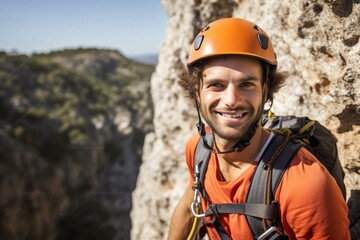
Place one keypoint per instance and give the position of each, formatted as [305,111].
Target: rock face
[317,43]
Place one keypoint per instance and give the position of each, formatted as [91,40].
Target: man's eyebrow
[243,79]
[249,78]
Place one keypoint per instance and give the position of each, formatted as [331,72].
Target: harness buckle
[268,232]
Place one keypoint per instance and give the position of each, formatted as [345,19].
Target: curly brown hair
[190,79]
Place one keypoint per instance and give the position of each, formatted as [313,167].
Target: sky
[134,27]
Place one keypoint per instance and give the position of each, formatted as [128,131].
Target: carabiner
[194,212]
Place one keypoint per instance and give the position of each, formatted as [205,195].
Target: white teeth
[232,116]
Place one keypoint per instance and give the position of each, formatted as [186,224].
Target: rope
[193,229]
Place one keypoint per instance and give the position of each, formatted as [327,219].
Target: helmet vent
[206,28]
[198,41]
[256,27]
[263,40]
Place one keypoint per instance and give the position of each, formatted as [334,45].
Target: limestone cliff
[317,42]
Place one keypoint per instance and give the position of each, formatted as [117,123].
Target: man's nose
[231,96]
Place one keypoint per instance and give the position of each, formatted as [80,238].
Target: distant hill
[72,126]
[146,58]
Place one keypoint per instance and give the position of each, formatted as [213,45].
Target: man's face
[230,95]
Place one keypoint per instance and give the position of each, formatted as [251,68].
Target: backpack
[260,208]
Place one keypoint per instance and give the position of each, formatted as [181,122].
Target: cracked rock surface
[317,43]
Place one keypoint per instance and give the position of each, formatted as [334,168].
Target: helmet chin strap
[244,142]
[239,146]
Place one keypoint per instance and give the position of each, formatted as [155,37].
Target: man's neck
[250,152]
[232,165]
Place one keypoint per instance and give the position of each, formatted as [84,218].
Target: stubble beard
[232,132]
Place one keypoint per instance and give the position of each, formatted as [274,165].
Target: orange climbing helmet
[232,36]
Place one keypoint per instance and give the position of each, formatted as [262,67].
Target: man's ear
[266,90]
[197,97]
[267,101]
[265,80]
[197,91]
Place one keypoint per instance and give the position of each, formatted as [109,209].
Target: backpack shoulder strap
[258,190]
[201,159]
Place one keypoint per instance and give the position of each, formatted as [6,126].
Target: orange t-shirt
[311,204]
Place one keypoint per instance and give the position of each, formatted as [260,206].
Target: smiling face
[230,95]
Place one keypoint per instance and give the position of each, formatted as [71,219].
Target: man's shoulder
[191,148]
[306,168]
[192,142]
[304,156]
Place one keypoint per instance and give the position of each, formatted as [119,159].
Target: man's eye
[216,85]
[247,84]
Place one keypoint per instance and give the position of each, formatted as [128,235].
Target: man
[231,74]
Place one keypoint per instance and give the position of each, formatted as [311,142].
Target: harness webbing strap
[221,230]
[269,211]
[257,192]
[256,207]
[202,157]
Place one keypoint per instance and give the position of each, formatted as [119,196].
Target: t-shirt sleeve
[311,203]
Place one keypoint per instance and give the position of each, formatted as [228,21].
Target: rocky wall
[317,43]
